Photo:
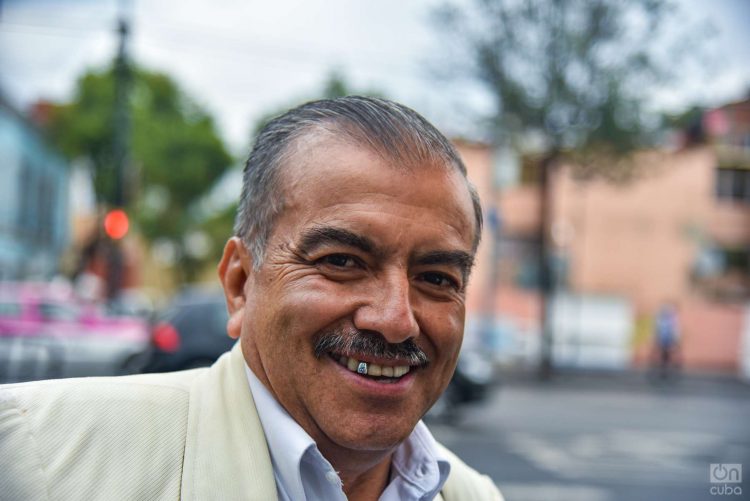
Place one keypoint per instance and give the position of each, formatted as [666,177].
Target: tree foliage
[176,154]
[573,72]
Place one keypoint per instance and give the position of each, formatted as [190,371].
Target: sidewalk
[632,380]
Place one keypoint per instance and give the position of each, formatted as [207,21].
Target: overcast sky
[241,59]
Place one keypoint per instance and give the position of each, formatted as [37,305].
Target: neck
[364,474]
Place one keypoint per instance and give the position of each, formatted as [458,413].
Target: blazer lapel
[226,455]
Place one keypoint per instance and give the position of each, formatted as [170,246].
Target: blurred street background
[607,346]
[610,438]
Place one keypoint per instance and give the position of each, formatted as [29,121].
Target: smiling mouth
[387,374]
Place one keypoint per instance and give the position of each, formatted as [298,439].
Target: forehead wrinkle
[401,153]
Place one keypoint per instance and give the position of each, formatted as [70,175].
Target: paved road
[607,438]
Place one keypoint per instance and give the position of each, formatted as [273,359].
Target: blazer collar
[226,455]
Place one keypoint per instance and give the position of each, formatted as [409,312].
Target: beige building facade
[678,232]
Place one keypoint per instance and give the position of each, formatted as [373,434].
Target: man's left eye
[439,280]
[339,261]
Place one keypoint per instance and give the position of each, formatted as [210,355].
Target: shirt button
[332,477]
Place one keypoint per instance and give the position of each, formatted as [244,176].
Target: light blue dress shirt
[418,471]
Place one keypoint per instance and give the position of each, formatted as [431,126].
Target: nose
[388,309]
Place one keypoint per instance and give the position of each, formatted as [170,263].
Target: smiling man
[345,285]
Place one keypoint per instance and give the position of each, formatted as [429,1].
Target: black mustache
[351,341]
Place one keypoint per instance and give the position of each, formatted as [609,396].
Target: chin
[373,442]
[378,433]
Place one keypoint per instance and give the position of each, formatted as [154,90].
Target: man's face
[365,249]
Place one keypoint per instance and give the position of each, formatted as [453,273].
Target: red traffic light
[116,224]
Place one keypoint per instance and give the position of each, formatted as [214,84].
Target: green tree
[176,154]
[573,73]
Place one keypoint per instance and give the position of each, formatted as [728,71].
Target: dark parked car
[190,333]
[472,383]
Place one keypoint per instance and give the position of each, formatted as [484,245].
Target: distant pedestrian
[666,338]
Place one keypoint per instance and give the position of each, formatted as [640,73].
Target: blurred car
[471,383]
[191,332]
[47,332]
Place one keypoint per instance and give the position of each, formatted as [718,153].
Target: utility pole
[120,152]
[546,279]
[121,141]
[548,163]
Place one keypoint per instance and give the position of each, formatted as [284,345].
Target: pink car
[46,332]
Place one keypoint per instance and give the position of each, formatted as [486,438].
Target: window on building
[10,309]
[506,168]
[733,184]
[25,200]
[58,311]
[738,259]
[530,171]
[518,261]
[724,272]
[46,210]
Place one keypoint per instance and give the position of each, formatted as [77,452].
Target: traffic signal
[116,224]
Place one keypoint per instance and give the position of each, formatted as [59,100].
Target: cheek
[443,324]
[302,310]
[319,296]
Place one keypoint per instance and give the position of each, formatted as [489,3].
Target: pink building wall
[638,240]
[478,160]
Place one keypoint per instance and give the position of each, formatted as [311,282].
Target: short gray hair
[388,129]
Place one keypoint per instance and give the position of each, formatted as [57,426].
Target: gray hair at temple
[389,129]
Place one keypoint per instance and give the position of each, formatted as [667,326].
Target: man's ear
[234,269]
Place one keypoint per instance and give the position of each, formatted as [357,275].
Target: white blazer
[192,435]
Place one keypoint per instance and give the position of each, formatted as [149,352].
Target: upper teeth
[370,369]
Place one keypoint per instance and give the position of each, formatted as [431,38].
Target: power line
[183,39]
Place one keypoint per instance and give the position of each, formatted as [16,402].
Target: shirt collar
[419,470]
[287,441]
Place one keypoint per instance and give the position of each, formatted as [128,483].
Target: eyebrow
[318,236]
[460,259]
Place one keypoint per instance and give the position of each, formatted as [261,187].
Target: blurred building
[33,200]
[677,232]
